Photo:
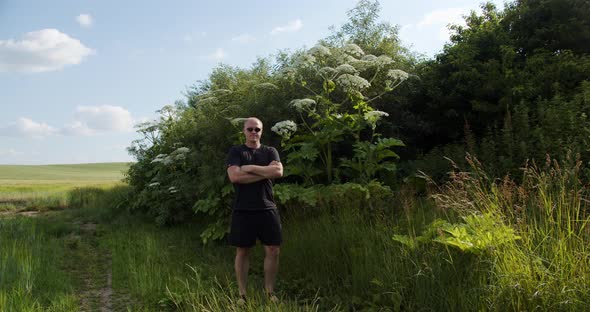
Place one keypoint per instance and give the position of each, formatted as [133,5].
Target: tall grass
[30,274]
[476,243]
[43,197]
[170,269]
[548,267]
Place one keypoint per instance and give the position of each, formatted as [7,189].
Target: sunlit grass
[341,260]
[48,187]
[31,278]
[44,174]
[19,197]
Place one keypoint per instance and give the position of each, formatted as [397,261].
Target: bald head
[253,131]
[252,119]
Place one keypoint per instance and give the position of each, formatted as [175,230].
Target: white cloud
[85,20]
[25,127]
[102,118]
[77,128]
[244,38]
[88,120]
[40,51]
[218,55]
[290,27]
[440,19]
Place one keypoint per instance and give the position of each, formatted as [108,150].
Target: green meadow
[42,187]
[62,174]
[80,250]
[470,244]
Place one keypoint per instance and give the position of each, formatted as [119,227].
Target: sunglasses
[253,129]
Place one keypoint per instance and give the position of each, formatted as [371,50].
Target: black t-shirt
[257,195]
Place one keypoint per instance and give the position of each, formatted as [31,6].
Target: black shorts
[247,226]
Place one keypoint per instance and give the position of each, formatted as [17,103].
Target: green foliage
[365,30]
[370,199]
[515,79]
[371,158]
[336,115]
[294,195]
[218,226]
[479,233]
[100,204]
[553,25]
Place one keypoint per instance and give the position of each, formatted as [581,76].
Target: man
[250,168]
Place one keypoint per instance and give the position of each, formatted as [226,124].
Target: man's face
[253,130]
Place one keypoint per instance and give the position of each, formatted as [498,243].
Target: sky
[77,75]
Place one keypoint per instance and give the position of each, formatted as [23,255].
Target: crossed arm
[251,173]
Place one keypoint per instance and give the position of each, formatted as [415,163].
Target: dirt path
[91,265]
[107,292]
[30,213]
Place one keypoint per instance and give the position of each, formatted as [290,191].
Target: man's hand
[252,168]
[272,171]
[246,168]
[237,175]
[252,173]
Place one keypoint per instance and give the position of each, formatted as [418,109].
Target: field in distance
[41,187]
[97,173]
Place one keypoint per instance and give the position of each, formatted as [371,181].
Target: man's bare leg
[242,264]
[271,267]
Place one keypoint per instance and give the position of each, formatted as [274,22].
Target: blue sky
[75,76]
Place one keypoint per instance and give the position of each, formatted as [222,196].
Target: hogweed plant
[341,82]
[533,233]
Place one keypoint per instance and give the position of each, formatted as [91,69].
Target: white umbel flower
[284,128]
[369,58]
[320,51]
[303,104]
[344,58]
[179,153]
[353,49]
[346,69]
[352,83]
[373,116]
[361,65]
[306,60]
[383,60]
[182,150]
[397,74]
[159,158]
[328,72]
